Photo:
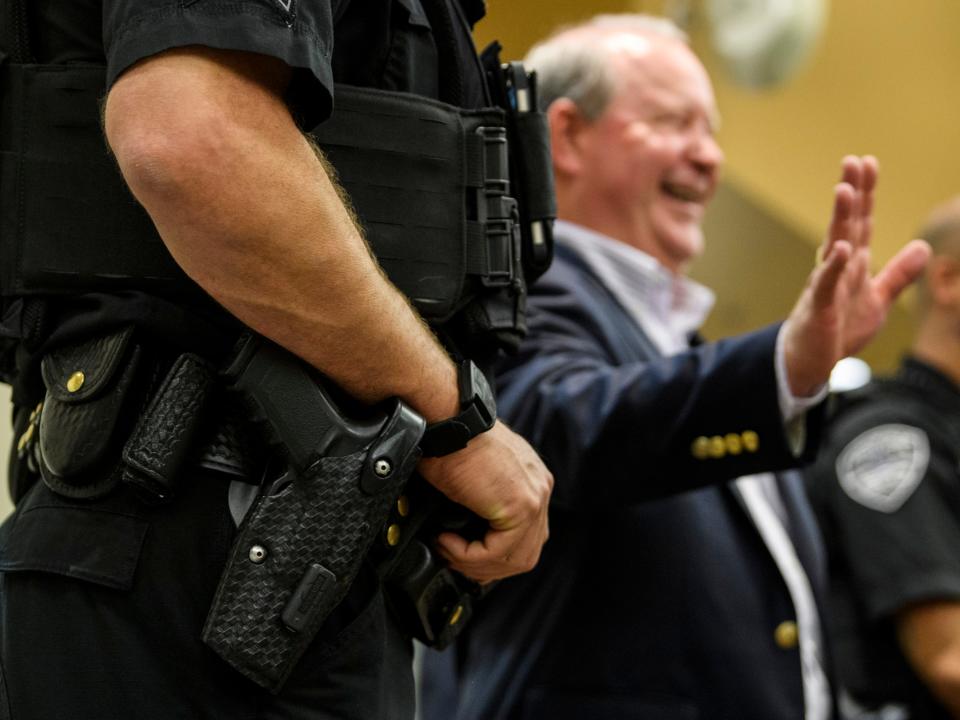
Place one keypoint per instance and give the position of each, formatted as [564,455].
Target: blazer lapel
[632,342]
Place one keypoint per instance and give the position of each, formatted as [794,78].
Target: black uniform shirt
[886,488]
[388,44]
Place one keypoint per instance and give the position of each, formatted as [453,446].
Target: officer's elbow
[164,154]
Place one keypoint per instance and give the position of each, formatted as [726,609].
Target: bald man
[886,488]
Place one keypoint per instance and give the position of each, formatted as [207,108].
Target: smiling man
[649,602]
[644,169]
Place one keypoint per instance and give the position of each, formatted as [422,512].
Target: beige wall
[883,81]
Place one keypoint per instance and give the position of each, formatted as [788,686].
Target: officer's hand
[842,306]
[502,479]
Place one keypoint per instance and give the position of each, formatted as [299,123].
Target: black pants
[102,604]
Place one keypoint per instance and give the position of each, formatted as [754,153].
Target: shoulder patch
[882,467]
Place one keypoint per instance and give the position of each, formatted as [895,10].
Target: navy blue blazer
[643,606]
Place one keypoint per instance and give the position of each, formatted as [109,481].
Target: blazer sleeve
[616,431]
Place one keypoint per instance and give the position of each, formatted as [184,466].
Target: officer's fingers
[499,554]
[905,267]
[482,560]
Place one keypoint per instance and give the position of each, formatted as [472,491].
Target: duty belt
[429,181]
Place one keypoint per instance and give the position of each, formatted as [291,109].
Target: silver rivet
[258,553]
[382,467]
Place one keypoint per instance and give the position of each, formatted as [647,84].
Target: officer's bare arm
[238,195]
[248,212]
[929,634]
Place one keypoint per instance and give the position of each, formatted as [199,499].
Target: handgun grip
[290,402]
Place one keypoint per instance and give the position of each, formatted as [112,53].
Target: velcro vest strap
[429,182]
[15,31]
[67,219]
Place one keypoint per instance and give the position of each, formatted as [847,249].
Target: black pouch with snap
[91,396]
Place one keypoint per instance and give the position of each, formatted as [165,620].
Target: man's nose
[705,151]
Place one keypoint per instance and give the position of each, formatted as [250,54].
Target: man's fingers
[871,172]
[841,222]
[827,276]
[905,267]
[853,214]
[857,271]
[851,170]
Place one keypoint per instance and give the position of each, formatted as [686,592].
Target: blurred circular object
[764,42]
[849,374]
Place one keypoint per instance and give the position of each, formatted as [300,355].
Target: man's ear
[943,281]
[566,125]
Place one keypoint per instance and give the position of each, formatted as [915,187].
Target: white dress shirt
[670,308]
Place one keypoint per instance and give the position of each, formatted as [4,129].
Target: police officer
[887,493]
[105,594]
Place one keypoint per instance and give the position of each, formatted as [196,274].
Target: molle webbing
[15,31]
[429,183]
[67,221]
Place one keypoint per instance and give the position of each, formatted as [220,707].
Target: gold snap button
[734,445]
[75,382]
[751,441]
[786,635]
[403,506]
[700,448]
[393,535]
[718,448]
[457,612]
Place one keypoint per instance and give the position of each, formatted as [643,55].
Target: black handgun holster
[303,542]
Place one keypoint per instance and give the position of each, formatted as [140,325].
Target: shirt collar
[669,307]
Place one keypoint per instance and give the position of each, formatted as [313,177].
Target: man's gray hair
[572,64]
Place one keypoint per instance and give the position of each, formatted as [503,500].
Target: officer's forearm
[929,634]
[244,206]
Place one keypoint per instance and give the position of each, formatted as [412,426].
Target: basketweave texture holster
[297,553]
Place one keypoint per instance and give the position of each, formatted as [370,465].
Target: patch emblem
[882,467]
